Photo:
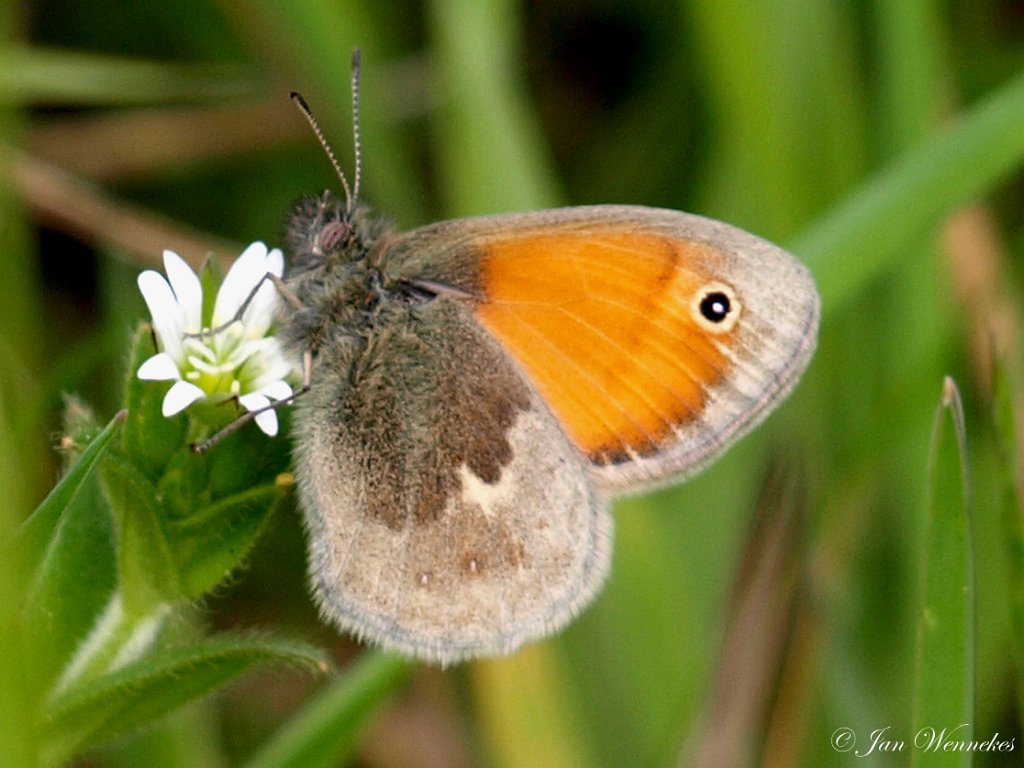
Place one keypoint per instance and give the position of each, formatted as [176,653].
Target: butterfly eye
[334,235]
[716,308]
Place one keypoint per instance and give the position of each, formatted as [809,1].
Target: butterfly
[478,390]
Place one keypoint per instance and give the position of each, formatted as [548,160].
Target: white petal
[157,293]
[160,367]
[260,314]
[267,420]
[252,401]
[264,354]
[181,396]
[277,390]
[253,258]
[275,262]
[187,289]
[248,269]
[163,308]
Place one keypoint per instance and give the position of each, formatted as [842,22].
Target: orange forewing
[602,322]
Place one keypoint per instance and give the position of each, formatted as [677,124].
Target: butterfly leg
[307,375]
[286,293]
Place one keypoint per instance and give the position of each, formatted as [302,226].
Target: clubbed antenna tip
[351,192]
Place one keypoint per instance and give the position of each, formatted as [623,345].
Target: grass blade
[71,77]
[486,124]
[327,730]
[527,717]
[944,674]
[1007,420]
[847,247]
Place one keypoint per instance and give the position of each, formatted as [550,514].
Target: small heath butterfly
[478,389]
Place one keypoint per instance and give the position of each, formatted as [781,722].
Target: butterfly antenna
[308,114]
[357,143]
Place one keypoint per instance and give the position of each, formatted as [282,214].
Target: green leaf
[184,484]
[42,529]
[248,458]
[135,695]
[68,546]
[146,568]
[211,276]
[944,674]
[214,542]
[150,438]
[114,639]
[326,731]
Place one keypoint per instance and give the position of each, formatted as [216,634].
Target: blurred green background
[752,612]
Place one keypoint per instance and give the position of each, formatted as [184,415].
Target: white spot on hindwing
[486,496]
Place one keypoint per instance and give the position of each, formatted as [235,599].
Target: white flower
[239,361]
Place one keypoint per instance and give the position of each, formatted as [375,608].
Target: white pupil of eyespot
[715,306]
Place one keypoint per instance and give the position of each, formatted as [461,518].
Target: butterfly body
[481,387]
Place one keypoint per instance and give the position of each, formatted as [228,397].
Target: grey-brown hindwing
[448,514]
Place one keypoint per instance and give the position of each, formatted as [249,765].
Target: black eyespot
[715,307]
